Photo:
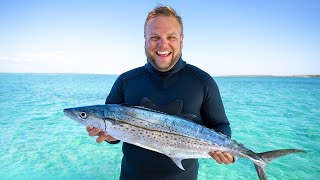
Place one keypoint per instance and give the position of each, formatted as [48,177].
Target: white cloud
[15,59]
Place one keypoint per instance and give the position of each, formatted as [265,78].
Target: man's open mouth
[163,53]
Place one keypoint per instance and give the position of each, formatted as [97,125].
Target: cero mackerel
[174,136]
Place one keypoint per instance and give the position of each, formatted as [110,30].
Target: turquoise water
[39,142]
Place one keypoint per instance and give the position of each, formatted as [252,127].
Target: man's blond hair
[163,10]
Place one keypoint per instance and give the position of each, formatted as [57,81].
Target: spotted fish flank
[171,135]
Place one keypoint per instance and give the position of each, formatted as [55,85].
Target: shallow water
[39,142]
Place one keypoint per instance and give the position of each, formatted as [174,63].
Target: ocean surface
[38,142]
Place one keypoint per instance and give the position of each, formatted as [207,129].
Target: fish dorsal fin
[145,102]
[177,161]
[174,108]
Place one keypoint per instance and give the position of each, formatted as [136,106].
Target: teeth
[163,52]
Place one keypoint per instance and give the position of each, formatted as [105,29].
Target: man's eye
[154,38]
[171,37]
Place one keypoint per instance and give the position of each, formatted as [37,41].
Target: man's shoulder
[133,73]
[197,72]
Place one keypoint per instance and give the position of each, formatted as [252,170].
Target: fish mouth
[70,113]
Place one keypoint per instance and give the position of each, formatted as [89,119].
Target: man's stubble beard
[153,62]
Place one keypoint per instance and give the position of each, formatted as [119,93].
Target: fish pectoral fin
[147,147]
[177,161]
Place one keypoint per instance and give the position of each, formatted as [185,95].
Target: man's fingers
[229,157]
[222,157]
[215,156]
[102,137]
[94,132]
[110,138]
[89,128]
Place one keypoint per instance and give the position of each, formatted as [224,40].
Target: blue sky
[225,37]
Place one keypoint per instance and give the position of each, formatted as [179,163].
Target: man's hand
[222,157]
[102,136]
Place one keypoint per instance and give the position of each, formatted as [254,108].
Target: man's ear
[181,43]
[145,40]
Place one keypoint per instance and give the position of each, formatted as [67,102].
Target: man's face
[163,42]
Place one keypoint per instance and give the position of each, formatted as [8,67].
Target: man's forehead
[160,29]
[169,34]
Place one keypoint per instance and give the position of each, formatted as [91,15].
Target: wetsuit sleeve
[212,110]
[116,97]
[116,94]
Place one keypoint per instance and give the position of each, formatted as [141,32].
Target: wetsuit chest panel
[165,90]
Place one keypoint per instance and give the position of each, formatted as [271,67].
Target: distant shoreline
[231,76]
[270,76]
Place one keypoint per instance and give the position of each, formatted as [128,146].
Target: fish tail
[268,156]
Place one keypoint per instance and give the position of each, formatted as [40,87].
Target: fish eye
[83,115]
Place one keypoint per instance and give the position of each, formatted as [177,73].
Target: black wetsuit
[184,89]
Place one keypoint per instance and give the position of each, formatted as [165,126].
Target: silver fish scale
[163,123]
[154,120]
[172,145]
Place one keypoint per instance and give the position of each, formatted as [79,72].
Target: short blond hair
[163,10]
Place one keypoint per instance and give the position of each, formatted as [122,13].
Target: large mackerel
[174,136]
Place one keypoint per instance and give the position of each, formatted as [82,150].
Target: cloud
[15,59]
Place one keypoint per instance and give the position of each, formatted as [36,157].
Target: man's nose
[162,42]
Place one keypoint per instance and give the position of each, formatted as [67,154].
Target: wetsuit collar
[177,67]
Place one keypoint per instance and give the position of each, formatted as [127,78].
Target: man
[169,84]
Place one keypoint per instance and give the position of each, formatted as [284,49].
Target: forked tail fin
[269,156]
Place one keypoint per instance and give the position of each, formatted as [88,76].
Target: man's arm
[214,117]
[212,110]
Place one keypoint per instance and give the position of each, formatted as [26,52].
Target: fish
[176,136]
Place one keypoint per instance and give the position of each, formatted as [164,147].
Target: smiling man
[166,83]
[163,40]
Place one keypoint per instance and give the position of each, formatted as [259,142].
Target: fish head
[87,115]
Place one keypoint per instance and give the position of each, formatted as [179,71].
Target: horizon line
[228,75]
